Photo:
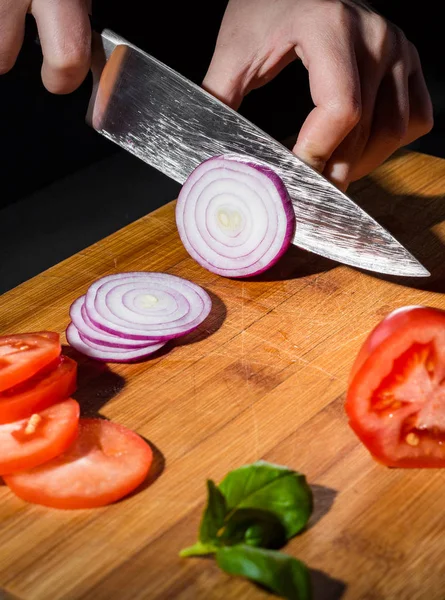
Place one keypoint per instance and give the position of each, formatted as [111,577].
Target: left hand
[365,77]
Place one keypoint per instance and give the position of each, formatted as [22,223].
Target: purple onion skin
[82,337]
[111,358]
[287,205]
[90,336]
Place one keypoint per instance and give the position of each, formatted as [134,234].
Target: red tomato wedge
[23,355]
[396,396]
[107,462]
[53,383]
[30,442]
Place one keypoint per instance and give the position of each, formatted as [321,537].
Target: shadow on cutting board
[208,327]
[156,470]
[325,587]
[411,220]
[295,264]
[96,383]
[324,499]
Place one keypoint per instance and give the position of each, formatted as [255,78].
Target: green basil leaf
[198,549]
[271,487]
[214,514]
[211,523]
[281,574]
[253,526]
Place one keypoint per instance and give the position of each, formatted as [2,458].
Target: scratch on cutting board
[244,363]
[52,276]
[159,223]
[351,339]
[195,395]
[107,252]
[295,357]
[320,369]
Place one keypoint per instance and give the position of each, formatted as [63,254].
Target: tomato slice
[53,383]
[396,396]
[22,355]
[30,442]
[107,462]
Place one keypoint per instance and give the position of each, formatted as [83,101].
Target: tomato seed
[32,424]
[412,439]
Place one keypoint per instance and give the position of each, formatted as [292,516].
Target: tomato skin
[106,462]
[23,355]
[53,383]
[393,321]
[382,435]
[56,430]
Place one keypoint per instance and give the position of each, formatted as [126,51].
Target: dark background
[64,187]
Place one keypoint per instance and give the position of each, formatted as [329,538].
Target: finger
[226,79]
[390,121]
[65,37]
[421,119]
[228,72]
[12,30]
[341,163]
[335,89]
[230,75]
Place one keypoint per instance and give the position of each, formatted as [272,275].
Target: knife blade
[172,124]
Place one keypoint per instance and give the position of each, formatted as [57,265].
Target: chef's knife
[173,124]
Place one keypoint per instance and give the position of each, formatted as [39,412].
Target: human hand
[365,77]
[65,37]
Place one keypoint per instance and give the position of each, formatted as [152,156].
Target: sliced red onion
[88,330]
[235,216]
[99,352]
[146,306]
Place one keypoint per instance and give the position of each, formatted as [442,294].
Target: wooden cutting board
[266,378]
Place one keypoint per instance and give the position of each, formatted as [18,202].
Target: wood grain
[265,378]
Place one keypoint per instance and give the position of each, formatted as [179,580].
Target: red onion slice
[88,330]
[146,306]
[235,216]
[98,352]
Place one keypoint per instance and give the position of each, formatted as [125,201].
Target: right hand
[366,81]
[65,36]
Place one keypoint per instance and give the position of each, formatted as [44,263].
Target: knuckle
[70,61]
[348,112]
[340,16]
[382,35]
[414,53]
[426,122]
[382,32]
[386,37]
[398,44]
